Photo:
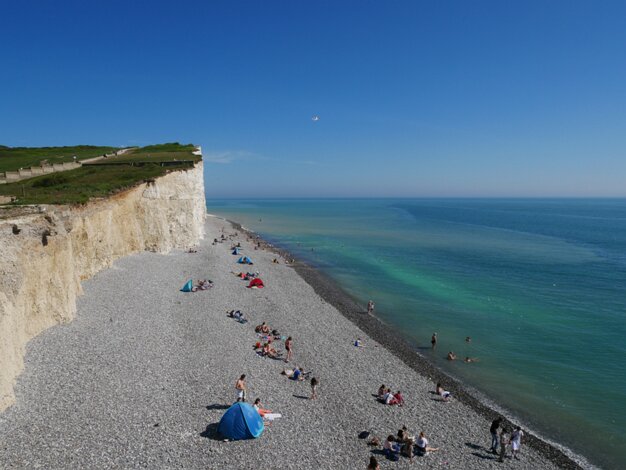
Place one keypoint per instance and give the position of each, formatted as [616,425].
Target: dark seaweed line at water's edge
[328,290]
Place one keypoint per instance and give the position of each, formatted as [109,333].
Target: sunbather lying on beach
[297,374]
[203,284]
[237,315]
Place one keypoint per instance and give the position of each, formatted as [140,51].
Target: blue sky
[415,98]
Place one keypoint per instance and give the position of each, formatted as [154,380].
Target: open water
[538,284]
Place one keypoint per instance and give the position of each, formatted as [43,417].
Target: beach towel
[188,287]
[272,416]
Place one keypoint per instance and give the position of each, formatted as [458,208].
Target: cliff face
[41,266]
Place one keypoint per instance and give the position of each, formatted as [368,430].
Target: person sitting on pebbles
[269,350]
[391,448]
[262,328]
[397,399]
[387,397]
[237,315]
[422,445]
[257,406]
[442,393]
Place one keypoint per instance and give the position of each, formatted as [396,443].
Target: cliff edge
[44,256]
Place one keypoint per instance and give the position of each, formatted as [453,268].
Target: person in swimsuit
[257,406]
[314,384]
[240,387]
[433,340]
[289,348]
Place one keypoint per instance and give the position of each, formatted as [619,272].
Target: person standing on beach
[516,442]
[289,348]
[314,384]
[240,387]
[503,443]
[433,340]
[494,434]
[370,307]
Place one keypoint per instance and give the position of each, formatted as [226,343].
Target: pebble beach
[141,377]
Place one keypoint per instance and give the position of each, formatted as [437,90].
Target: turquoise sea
[538,284]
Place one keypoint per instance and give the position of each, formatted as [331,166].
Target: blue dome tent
[244,260]
[241,421]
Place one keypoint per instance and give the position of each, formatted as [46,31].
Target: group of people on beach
[265,346]
[502,437]
[385,396]
[403,443]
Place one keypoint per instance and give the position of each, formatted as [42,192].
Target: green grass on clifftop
[169,147]
[156,153]
[14,158]
[100,180]
[80,185]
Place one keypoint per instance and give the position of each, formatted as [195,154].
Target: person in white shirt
[422,445]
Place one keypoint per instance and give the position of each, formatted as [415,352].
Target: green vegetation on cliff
[100,178]
[14,158]
[155,154]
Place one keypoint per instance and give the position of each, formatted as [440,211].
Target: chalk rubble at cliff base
[143,374]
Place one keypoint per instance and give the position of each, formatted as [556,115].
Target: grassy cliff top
[100,178]
[14,158]
[154,154]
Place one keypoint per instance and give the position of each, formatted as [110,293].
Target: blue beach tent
[188,286]
[241,421]
[244,260]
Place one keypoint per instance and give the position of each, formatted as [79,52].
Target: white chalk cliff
[41,266]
